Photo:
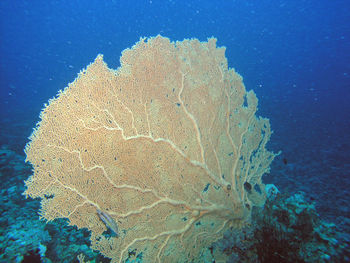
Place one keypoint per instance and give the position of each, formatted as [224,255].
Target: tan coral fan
[168,146]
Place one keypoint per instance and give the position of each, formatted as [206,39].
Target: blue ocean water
[295,55]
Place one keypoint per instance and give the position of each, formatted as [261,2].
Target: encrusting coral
[166,150]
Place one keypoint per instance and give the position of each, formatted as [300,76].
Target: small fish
[108,221]
[285,161]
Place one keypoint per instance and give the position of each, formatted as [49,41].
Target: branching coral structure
[166,151]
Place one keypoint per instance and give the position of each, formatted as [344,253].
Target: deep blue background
[294,54]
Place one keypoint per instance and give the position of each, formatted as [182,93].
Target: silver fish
[108,221]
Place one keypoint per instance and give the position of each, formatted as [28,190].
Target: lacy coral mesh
[167,146]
